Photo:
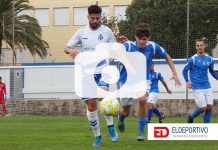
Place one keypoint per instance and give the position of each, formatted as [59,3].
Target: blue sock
[195,113]
[150,112]
[157,112]
[121,117]
[207,116]
[142,123]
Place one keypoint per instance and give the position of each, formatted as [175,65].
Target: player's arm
[71,51]
[166,86]
[212,71]
[164,83]
[185,73]
[172,67]
[161,51]
[70,47]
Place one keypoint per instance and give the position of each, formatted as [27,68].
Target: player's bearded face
[94,20]
[141,41]
[200,46]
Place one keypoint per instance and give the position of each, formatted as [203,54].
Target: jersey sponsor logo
[100,37]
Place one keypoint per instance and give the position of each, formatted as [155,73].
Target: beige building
[60,19]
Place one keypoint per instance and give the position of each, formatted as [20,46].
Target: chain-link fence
[176,25]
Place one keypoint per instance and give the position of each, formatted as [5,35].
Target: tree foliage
[27,32]
[168,21]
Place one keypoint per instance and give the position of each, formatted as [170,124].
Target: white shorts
[203,97]
[129,101]
[153,97]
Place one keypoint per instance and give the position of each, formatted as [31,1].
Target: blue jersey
[198,67]
[149,51]
[155,77]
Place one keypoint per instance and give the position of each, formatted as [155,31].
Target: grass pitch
[74,133]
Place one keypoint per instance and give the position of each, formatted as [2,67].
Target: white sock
[109,120]
[94,122]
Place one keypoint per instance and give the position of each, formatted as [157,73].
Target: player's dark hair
[94,9]
[143,30]
[201,40]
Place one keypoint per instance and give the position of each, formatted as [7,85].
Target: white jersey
[89,39]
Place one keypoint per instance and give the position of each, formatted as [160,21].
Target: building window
[61,16]
[42,15]
[120,12]
[24,12]
[105,11]
[80,14]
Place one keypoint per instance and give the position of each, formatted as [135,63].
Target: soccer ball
[110,106]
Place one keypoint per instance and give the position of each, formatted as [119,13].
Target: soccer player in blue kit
[153,94]
[197,67]
[149,49]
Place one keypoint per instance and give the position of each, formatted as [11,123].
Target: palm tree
[25,29]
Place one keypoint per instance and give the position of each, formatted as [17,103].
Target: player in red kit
[2,95]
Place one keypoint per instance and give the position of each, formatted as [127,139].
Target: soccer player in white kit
[198,66]
[89,37]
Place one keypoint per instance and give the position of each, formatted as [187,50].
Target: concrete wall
[58,81]
[171,108]
[49,82]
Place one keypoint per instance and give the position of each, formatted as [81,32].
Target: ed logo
[161,132]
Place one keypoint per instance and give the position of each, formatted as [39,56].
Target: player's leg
[209,100]
[109,119]
[208,113]
[201,105]
[126,105]
[93,119]
[2,102]
[141,119]
[4,111]
[111,129]
[152,98]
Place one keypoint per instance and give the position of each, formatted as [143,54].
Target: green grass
[73,133]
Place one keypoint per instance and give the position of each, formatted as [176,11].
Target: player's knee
[126,113]
[92,105]
[203,109]
[142,102]
[150,105]
[209,107]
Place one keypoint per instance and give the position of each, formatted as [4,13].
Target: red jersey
[2,90]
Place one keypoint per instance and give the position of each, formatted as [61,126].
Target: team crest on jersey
[100,37]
